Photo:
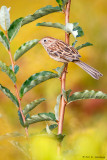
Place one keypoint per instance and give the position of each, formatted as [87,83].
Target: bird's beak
[39,42]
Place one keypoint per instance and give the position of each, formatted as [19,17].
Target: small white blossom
[69,28]
[75,33]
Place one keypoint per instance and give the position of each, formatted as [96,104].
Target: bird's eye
[44,40]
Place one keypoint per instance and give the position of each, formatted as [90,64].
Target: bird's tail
[91,71]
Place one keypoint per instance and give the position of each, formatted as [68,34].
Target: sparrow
[62,52]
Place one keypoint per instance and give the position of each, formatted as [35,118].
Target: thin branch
[16,89]
[63,78]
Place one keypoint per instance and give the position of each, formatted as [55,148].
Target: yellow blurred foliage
[44,148]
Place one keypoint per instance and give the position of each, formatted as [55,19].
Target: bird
[62,52]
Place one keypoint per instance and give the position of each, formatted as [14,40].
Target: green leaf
[21,148]
[16,68]
[32,105]
[64,95]
[51,127]
[87,95]
[73,44]
[56,109]
[72,28]
[79,30]
[24,48]
[68,93]
[14,28]
[8,71]
[21,119]
[40,117]
[50,24]
[5,18]
[60,137]
[59,2]
[27,116]
[59,70]
[84,45]
[62,3]
[36,79]
[4,40]
[7,92]
[40,13]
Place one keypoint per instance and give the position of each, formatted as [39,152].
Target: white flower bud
[5,18]
[69,28]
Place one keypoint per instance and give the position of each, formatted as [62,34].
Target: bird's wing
[66,51]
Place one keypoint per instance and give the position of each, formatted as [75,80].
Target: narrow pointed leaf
[68,93]
[8,71]
[51,127]
[87,95]
[4,40]
[4,18]
[16,68]
[56,109]
[59,70]
[20,118]
[32,105]
[7,92]
[50,24]
[40,13]
[14,28]
[73,44]
[64,95]
[62,3]
[36,79]
[84,45]
[40,117]
[27,116]
[24,48]
[59,2]
[72,28]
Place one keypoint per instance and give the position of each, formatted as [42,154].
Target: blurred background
[86,117]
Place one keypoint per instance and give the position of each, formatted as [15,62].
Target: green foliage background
[83,119]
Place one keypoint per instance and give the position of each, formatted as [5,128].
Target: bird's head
[47,41]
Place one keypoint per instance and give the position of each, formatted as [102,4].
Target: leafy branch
[6,36]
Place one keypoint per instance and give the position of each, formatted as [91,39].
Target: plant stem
[63,77]
[16,89]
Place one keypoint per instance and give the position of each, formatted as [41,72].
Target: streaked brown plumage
[62,52]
